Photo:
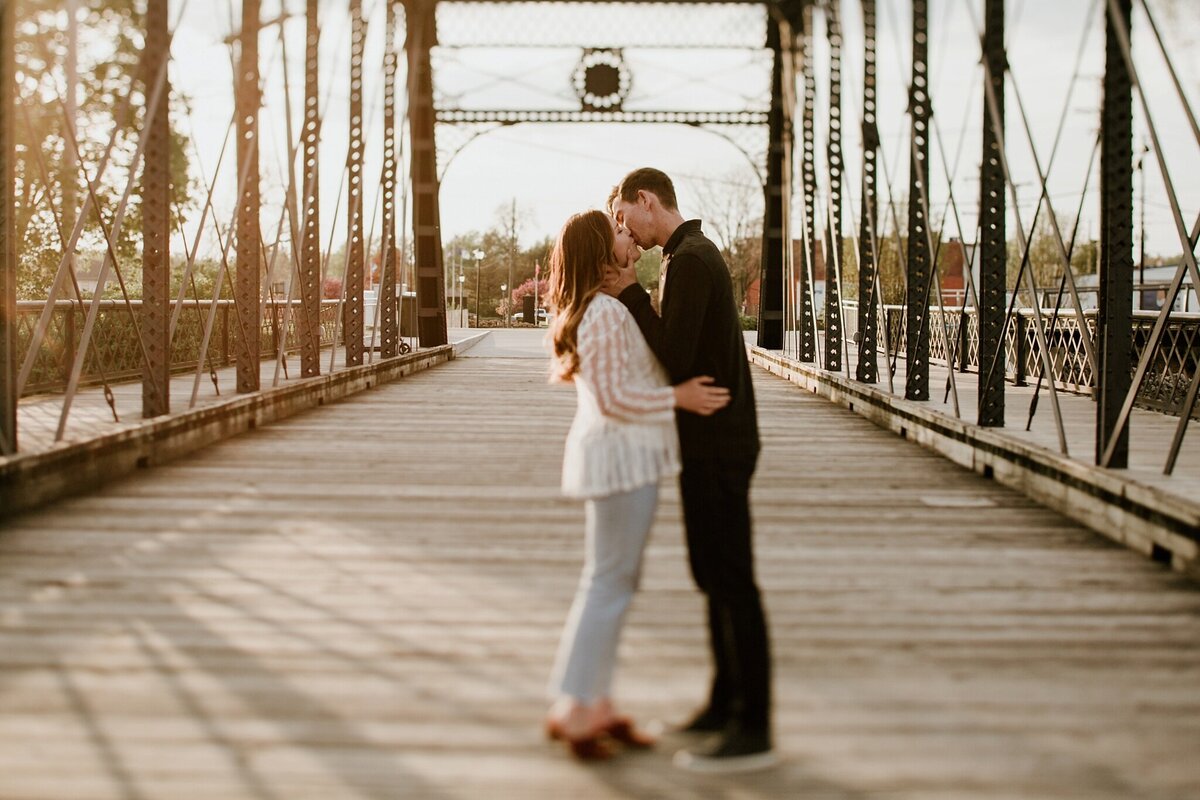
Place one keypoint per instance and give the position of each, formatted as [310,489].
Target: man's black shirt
[699,333]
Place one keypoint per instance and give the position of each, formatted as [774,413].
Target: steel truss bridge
[357,594]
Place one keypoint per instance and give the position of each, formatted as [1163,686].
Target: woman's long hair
[577,264]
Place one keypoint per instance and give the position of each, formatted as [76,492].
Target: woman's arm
[604,352]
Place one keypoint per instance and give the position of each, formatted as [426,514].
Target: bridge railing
[115,356]
[954,338]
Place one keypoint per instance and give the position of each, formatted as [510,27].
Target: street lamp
[504,300]
[463,255]
[478,254]
[462,305]
[1141,168]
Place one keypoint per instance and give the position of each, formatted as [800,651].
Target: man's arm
[674,337]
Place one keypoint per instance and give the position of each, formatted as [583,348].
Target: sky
[554,170]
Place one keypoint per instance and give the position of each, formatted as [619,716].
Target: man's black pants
[716,509]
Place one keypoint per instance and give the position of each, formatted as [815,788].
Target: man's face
[634,217]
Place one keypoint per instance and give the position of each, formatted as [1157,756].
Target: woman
[621,444]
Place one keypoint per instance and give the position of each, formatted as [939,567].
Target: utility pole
[1141,168]
[512,258]
[70,164]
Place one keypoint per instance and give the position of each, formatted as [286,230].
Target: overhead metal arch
[755,162]
[601,85]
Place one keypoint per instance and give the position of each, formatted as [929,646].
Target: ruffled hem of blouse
[620,461]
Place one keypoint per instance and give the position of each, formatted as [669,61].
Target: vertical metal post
[993,244]
[833,162]
[1114,321]
[248,283]
[427,241]
[386,293]
[8,244]
[777,206]
[919,256]
[867,370]
[310,241]
[70,160]
[156,225]
[352,308]
[964,340]
[808,170]
[1020,349]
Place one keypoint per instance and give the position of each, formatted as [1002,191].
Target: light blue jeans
[616,532]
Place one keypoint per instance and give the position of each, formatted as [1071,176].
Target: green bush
[749,323]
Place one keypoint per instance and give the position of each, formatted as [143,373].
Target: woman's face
[624,248]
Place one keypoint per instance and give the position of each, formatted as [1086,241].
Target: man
[697,332]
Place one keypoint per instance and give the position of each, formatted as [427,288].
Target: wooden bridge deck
[363,601]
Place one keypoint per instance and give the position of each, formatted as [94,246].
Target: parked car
[543,316]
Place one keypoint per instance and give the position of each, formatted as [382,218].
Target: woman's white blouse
[623,436]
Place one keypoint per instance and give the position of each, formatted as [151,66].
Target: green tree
[202,280]
[109,47]
[1045,256]
[648,268]
[731,208]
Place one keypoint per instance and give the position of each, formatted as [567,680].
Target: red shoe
[553,729]
[591,746]
[622,729]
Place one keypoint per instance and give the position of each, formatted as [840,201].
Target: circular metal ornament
[601,80]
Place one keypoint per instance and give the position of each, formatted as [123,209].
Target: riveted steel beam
[777,190]
[390,333]
[310,234]
[1115,318]
[352,307]
[993,244]
[515,116]
[421,23]
[867,369]
[920,259]
[156,225]
[808,181]
[8,244]
[833,163]
[248,281]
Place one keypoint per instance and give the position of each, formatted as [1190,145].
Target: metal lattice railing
[115,356]
[1174,363]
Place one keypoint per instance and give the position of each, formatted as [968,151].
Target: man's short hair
[646,179]
[612,198]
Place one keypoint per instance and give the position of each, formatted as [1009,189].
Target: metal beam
[833,164]
[156,224]
[421,19]
[1115,318]
[8,245]
[248,283]
[808,181]
[993,244]
[352,307]
[515,116]
[777,191]
[386,293]
[310,241]
[867,369]
[626,2]
[919,256]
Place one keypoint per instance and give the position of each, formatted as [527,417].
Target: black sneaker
[705,721]
[737,750]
